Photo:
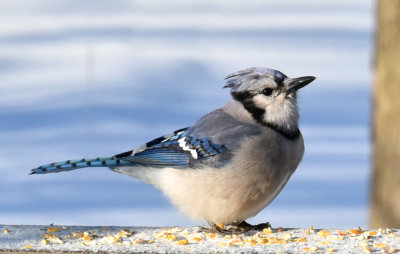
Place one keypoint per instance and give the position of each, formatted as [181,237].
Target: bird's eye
[267,91]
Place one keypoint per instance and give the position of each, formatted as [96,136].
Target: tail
[83,163]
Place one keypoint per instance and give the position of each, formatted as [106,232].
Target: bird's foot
[247,227]
[214,228]
[238,228]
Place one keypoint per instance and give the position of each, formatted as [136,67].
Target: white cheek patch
[260,101]
[182,144]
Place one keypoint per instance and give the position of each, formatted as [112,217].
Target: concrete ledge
[64,239]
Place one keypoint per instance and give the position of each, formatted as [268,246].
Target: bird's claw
[239,228]
[247,227]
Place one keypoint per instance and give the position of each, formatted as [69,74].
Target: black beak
[295,84]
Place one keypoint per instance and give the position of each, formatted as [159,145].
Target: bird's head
[269,96]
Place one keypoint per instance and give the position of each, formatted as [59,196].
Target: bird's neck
[284,122]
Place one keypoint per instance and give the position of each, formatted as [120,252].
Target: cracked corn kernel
[28,246]
[281,241]
[220,225]
[44,242]
[326,242]
[171,237]
[354,232]
[380,245]
[340,232]
[268,230]
[330,250]
[280,229]
[6,231]
[53,229]
[263,241]
[302,239]
[324,233]
[197,239]
[182,242]
[48,236]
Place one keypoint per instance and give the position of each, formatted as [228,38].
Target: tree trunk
[386,180]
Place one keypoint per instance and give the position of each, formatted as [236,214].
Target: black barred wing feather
[178,149]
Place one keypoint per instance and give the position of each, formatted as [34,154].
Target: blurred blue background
[96,78]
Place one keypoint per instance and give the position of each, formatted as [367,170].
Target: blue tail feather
[82,163]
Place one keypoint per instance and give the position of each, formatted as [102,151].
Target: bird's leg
[246,226]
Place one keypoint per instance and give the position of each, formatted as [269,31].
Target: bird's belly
[220,197]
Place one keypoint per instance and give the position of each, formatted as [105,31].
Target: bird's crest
[235,80]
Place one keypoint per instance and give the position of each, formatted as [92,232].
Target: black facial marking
[246,99]
[278,80]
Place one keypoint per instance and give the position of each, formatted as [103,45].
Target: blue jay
[232,162]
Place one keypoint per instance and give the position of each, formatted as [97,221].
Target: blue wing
[178,149]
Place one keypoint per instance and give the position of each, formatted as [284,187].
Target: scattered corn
[380,245]
[324,233]
[53,229]
[197,239]
[302,239]
[354,232]
[182,242]
[171,237]
[48,236]
[268,230]
[6,231]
